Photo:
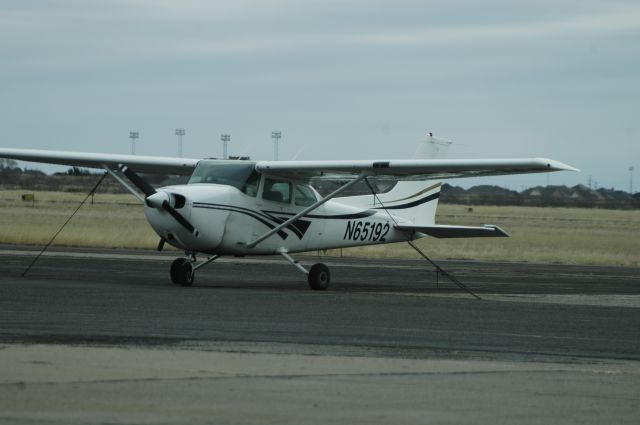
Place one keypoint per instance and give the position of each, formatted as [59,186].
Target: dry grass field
[114,220]
[540,235]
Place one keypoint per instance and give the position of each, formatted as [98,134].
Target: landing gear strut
[318,276]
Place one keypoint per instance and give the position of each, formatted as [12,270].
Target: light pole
[180,132]
[133,135]
[630,180]
[226,138]
[276,136]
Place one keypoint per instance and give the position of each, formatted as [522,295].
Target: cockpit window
[251,186]
[241,175]
[277,191]
[304,196]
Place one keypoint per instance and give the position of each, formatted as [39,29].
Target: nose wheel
[182,272]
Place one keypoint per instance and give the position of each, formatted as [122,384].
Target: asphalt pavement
[103,336]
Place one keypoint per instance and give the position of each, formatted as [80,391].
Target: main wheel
[175,269]
[319,277]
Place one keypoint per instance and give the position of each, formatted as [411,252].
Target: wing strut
[307,210]
[120,180]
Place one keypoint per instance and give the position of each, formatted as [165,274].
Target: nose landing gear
[183,270]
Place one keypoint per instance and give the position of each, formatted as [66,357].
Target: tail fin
[415,201]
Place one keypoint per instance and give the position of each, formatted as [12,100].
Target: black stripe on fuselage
[412,204]
[299,227]
[363,214]
[240,210]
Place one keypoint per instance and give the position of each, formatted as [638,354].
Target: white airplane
[238,208]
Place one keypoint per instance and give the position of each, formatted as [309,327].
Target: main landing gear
[318,275]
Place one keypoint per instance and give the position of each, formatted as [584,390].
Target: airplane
[243,207]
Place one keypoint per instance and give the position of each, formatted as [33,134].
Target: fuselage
[229,216]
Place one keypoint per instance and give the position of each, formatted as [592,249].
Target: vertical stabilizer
[414,201]
[432,148]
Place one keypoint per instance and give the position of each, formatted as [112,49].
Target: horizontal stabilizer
[444,231]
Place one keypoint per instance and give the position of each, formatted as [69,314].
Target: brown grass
[541,235]
[113,221]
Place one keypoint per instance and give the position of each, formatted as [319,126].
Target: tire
[186,274]
[319,277]
[175,270]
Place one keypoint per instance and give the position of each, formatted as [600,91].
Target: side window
[304,196]
[277,191]
[251,186]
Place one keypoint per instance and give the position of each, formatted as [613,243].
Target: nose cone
[199,204]
[164,224]
[157,199]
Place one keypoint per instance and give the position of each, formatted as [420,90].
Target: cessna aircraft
[238,207]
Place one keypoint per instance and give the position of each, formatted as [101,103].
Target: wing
[413,169]
[143,164]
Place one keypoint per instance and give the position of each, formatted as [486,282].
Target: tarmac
[102,336]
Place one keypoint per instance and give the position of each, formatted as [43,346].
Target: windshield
[230,173]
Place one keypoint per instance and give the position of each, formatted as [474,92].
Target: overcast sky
[340,79]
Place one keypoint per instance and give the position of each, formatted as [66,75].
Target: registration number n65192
[366,231]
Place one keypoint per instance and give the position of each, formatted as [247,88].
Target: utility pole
[226,138]
[276,136]
[133,135]
[630,180]
[180,132]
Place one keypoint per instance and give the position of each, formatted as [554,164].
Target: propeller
[160,200]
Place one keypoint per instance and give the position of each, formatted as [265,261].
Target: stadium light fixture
[133,135]
[226,138]
[180,132]
[276,136]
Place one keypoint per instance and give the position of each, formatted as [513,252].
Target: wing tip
[554,165]
[499,232]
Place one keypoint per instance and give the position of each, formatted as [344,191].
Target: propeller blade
[179,218]
[161,244]
[138,181]
[148,190]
